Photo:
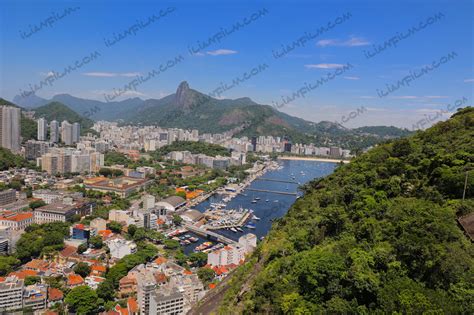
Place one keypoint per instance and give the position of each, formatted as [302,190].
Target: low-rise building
[35,297]
[61,211]
[16,221]
[171,204]
[122,186]
[120,248]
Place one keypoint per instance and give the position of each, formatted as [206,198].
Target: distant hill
[378,236]
[383,131]
[58,111]
[92,109]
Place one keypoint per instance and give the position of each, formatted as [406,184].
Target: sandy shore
[310,158]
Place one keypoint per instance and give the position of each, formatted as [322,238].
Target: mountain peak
[183,86]
[184,96]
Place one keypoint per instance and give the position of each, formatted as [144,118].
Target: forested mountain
[377,235]
[58,111]
[191,109]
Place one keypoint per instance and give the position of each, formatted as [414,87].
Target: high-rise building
[54,131]
[10,128]
[76,132]
[42,129]
[35,149]
[66,132]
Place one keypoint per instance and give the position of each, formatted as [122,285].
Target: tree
[82,269]
[206,275]
[181,194]
[96,241]
[198,259]
[171,244]
[82,300]
[82,248]
[106,290]
[32,280]
[177,220]
[7,263]
[114,227]
[36,204]
[132,229]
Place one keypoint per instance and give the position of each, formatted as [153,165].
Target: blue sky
[78,28]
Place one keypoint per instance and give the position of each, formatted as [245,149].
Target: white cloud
[111,74]
[47,74]
[352,42]
[324,66]
[468,80]
[221,52]
[351,78]
[405,97]
[435,96]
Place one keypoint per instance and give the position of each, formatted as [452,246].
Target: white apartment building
[120,248]
[167,300]
[10,128]
[42,129]
[11,294]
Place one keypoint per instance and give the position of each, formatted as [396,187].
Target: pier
[277,180]
[209,234]
[273,191]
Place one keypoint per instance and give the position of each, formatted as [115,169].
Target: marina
[258,198]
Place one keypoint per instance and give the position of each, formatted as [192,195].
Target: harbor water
[268,206]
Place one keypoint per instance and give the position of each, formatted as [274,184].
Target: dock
[273,191]
[278,180]
[209,234]
[239,224]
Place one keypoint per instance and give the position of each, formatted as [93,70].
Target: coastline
[319,159]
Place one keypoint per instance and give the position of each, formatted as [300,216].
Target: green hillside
[190,109]
[193,147]
[58,111]
[8,159]
[377,235]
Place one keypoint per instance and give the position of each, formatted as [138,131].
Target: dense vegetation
[379,234]
[113,157]
[194,147]
[58,111]
[41,239]
[194,110]
[9,159]
[384,131]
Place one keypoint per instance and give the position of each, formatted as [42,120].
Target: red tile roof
[74,279]
[18,217]
[37,264]
[132,305]
[68,251]
[160,260]
[22,274]
[55,294]
[99,268]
